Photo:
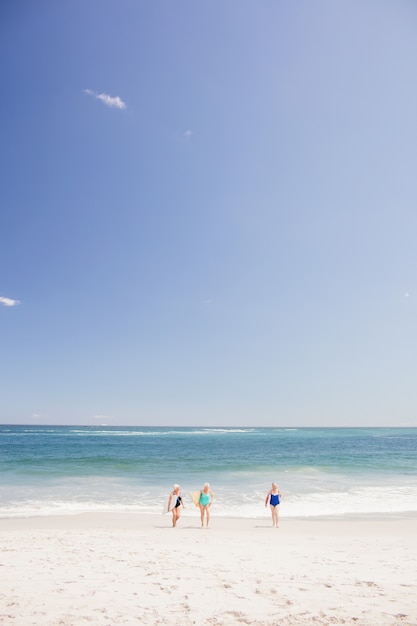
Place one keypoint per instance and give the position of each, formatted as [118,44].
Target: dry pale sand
[135,569]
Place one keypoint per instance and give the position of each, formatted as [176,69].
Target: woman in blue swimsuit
[273,497]
[206,498]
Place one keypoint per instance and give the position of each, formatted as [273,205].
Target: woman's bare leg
[202,514]
[175,515]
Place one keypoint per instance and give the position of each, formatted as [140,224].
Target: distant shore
[114,569]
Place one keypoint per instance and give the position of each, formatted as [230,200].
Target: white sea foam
[227,430]
[155,433]
[228,502]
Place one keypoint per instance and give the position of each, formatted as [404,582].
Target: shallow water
[321,471]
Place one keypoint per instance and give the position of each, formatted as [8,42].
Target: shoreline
[87,518]
[127,568]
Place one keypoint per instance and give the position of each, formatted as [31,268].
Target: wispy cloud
[8,301]
[114,102]
[188,134]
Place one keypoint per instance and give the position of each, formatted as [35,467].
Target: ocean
[56,470]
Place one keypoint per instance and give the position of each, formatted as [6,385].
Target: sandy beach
[112,569]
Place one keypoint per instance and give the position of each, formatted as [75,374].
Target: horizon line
[289,427]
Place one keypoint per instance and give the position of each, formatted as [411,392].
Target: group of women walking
[204,499]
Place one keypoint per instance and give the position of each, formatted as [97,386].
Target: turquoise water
[321,471]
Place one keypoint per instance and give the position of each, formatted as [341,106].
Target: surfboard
[195,496]
[165,508]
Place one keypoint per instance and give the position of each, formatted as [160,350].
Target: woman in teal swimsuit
[206,499]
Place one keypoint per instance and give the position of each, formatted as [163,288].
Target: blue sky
[208,212]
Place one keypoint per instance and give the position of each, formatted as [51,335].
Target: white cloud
[103,419]
[111,102]
[114,102]
[188,134]
[9,301]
